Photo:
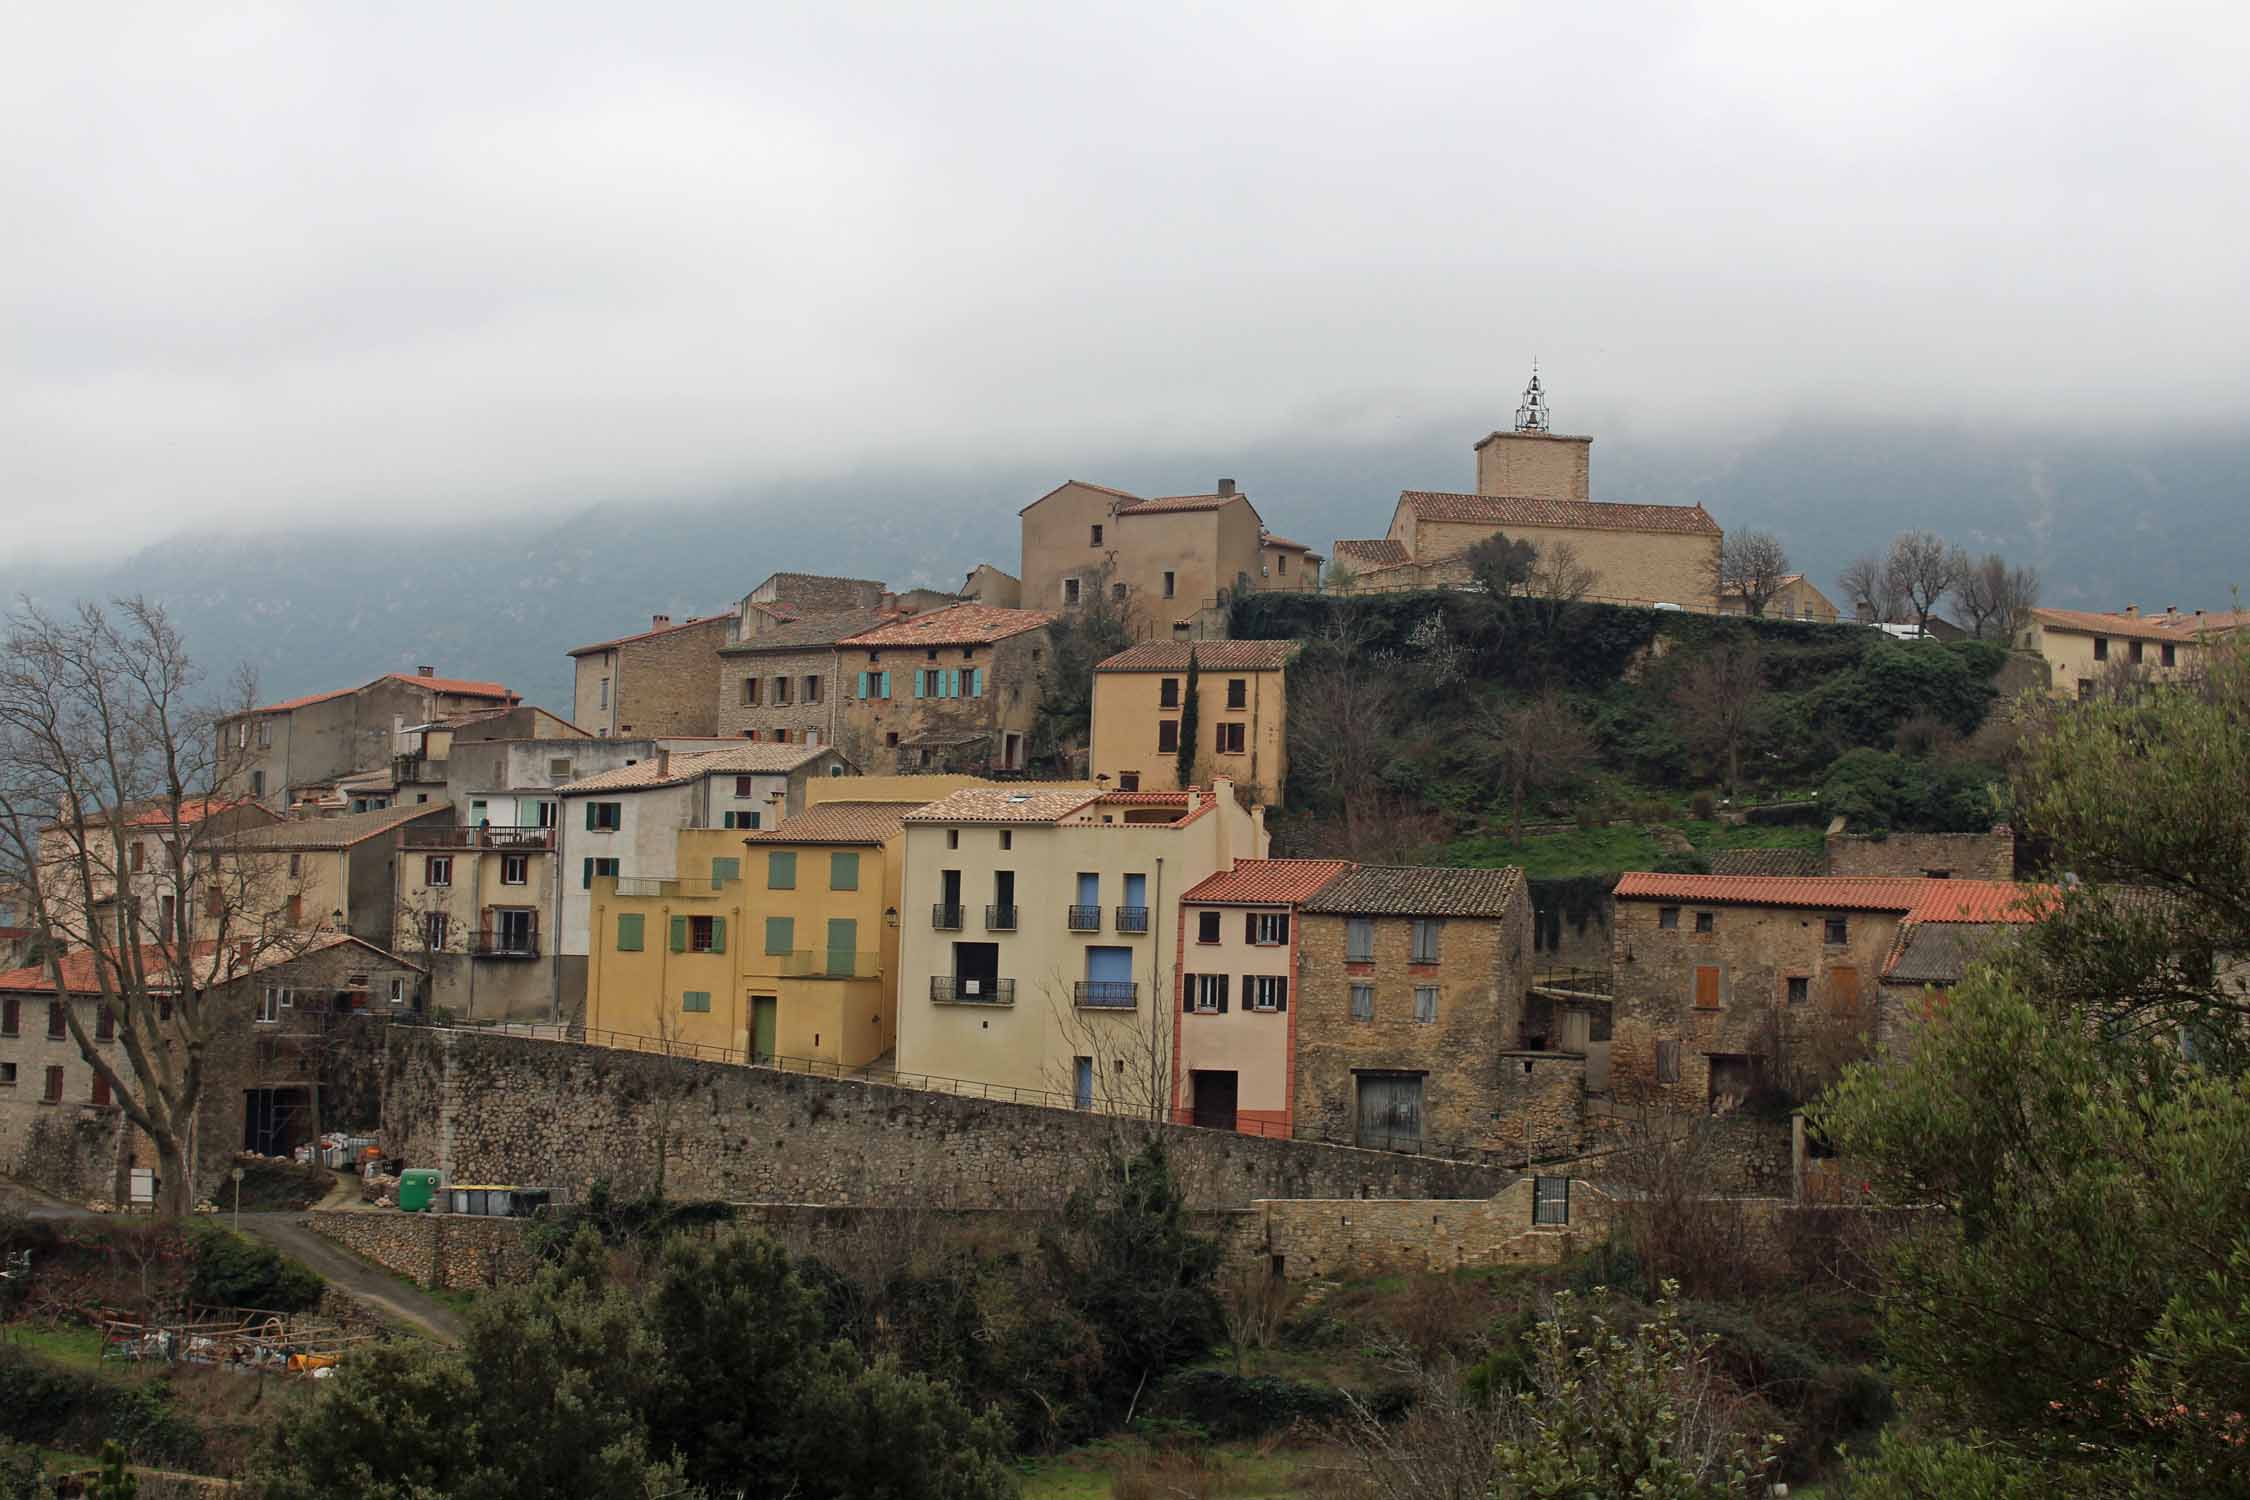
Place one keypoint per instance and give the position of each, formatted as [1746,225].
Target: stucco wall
[1253,1045]
[1546,465]
[1633,566]
[1128,708]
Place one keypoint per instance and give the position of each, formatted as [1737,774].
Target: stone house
[1796,599]
[987,584]
[1040,935]
[1714,975]
[655,683]
[336,874]
[119,876]
[2081,646]
[270,751]
[784,683]
[785,598]
[953,690]
[1936,856]
[1233,1051]
[275,1051]
[1169,561]
[1410,999]
[1242,715]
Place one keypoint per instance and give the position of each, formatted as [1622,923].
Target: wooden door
[763,1021]
[1390,1111]
[1216,1093]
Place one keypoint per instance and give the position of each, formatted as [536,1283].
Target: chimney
[425,671]
[2199,622]
[2171,611]
[663,761]
[2132,611]
[1226,487]
[658,622]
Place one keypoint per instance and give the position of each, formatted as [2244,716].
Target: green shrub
[1231,1406]
[228,1270]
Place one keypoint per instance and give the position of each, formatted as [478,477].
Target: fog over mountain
[2107,517]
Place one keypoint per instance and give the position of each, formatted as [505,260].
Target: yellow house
[2081,646]
[1242,716]
[1795,599]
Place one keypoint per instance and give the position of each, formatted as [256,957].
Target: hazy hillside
[2107,520]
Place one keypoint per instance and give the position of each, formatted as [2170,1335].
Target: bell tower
[1533,461]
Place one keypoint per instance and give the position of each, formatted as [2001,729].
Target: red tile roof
[1915,897]
[2148,627]
[457,686]
[1167,504]
[1100,489]
[80,976]
[1580,515]
[648,635]
[1266,882]
[1372,552]
[955,625]
[836,823]
[1210,656]
[1419,891]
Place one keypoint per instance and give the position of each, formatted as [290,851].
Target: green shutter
[781,871]
[843,872]
[679,934]
[587,883]
[863,684]
[695,1000]
[724,869]
[886,692]
[718,934]
[920,677]
[843,944]
[629,929]
[781,934]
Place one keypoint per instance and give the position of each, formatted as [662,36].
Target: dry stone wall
[433,1250]
[560,1115]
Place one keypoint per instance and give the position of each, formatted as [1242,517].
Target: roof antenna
[1532,415]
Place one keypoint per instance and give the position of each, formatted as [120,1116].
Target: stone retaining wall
[468,1251]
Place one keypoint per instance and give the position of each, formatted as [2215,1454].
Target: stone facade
[443,1251]
[902,732]
[1545,465]
[553,1114]
[265,751]
[655,683]
[1958,856]
[1310,1240]
[795,694]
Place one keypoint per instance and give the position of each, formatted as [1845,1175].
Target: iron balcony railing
[824,963]
[1085,919]
[1106,994]
[483,836]
[1132,919]
[946,918]
[948,989]
[488,944]
[1000,919]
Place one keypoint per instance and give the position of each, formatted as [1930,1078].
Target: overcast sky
[405,261]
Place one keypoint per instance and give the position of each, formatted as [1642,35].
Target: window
[1937,874]
[54,1086]
[603,700]
[265,733]
[725,869]
[843,870]
[632,928]
[890,738]
[105,1024]
[781,736]
[1359,940]
[2133,651]
[1206,926]
[594,869]
[698,1001]
[1667,1062]
[604,817]
[1070,591]
[1550,1200]
[2171,654]
[1269,929]
[781,870]
[1117,592]
[398,992]
[781,934]
[1238,692]
[1800,989]
[1128,781]
[139,855]
[812,689]
[1171,583]
[1705,921]
[269,1006]
[1229,739]
[874,684]
[1706,986]
[1425,1003]
[7,1075]
[1281,564]
[1007,838]
[1425,950]
[56,1029]
[1667,918]
[11,1016]
[1207,994]
[434,924]
[1168,693]
[515,869]
[745,786]
[98,1094]
[1838,930]
[1843,991]
[1269,992]
[1363,1002]
[1167,737]
[738,819]
[1096,539]
[257,783]
[558,769]
[699,934]
[2101,648]
[296,865]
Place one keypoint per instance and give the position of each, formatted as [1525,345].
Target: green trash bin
[417,1189]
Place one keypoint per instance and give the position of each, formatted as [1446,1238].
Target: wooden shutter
[1187,993]
[101,1089]
[1283,921]
[718,934]
[1281,994]
[629,931]
[1843,990]
[1707,986]
[589,818]
[11,1016]
[1223,978]
[781,933]
[679,934]
[1249,926]
[886,692]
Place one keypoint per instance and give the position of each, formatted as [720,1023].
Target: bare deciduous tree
[1750,566]
[110,803]
[1538,745]
[1500,567]
[1994,597]
[1921,570]
[1867,591]
[1716,697]
[1559,578]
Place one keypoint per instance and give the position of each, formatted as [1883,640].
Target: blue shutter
[863,684]
[919,678]
[886,692]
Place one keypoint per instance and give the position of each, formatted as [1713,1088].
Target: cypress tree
[1190,723]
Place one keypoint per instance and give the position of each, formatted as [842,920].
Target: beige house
[269,751]
[657,682]
[1168,561]
[1243,711]
[952,690]
[784,684]
[1795,599]
[2080,647]
[1235,1045]
[1039,936]
[332,874]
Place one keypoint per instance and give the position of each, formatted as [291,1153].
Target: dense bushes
[226,1270]
[1876,791]
[67,1409]
[1229,1406]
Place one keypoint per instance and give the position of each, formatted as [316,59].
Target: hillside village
[1402,887]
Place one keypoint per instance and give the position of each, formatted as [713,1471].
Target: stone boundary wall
[561,1115]
[1969,856]
[469,1251]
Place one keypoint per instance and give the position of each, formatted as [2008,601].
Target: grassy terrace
[1615,848]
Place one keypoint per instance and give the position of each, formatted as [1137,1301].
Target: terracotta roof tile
[836,823]
[999,804]
[1420,891]
[1526,510]
[459,687]
[2152,627]
[1210,656]
[80,976]
[335,833]
[1770,862]
[1171,504]
[1266,882]
[955,625]
[1283,543]
[1918,897]
[683,766]
[818,630]
[1372,552]
[1084,484]
[649,635]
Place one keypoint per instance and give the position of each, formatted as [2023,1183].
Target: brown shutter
[1843,989]
[1281,994]
[1707,986]
[1187,993]
[1250,927]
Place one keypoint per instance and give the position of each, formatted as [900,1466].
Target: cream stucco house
[2081,646]
[1242,715]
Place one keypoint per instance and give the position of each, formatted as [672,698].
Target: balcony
[947,989]
[999,919]
[486,944]
[822,963]
[945,918]
[514,839]
[1106,994]
[1132,919]
[1085,919]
